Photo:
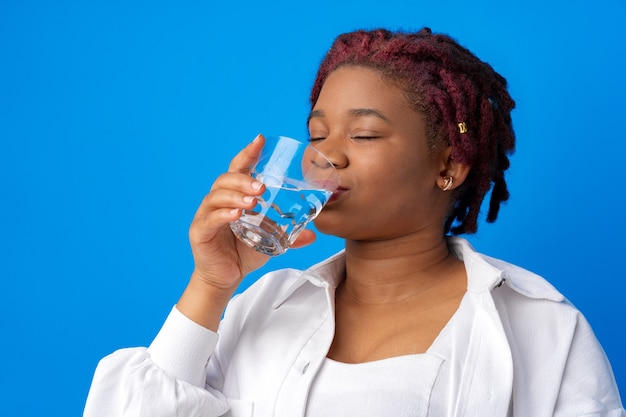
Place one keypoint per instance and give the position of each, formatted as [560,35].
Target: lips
[337,194]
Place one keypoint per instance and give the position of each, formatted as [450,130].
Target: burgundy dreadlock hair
[450,86]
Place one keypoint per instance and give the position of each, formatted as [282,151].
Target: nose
[332,148]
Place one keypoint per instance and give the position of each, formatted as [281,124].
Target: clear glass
[299,180]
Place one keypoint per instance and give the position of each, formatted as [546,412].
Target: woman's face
[366,127]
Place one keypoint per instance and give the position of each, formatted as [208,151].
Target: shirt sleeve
[588,386]
[166,379]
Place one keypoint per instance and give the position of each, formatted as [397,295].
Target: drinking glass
[298,180]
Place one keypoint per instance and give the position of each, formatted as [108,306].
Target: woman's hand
[222,260]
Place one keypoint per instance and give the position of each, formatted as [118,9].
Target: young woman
[407,320]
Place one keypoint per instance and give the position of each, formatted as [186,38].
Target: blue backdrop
[116,116]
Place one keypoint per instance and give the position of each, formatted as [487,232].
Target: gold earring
[447,183]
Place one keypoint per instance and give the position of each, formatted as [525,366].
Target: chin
[328,225]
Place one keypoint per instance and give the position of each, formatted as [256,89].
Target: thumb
[305,238]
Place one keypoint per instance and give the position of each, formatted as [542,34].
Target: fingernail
[234,211]
[258,138]
[248,199]
[257,185]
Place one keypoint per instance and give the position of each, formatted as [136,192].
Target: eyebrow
[368,112]
[353,113]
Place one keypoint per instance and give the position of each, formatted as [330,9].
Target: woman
[406,321]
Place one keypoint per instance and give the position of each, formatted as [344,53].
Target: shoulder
[525,282]
[524,300]
[545,331]
[555,352]
[487,273]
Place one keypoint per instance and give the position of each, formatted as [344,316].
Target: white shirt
[530,352]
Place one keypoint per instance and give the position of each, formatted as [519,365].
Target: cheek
[407,187]
[399,174]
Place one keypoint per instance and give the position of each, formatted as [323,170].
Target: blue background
[116,116]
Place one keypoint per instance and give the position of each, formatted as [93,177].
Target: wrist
[204,303]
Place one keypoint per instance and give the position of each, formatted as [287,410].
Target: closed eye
[360,137]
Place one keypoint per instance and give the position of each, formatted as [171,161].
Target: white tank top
[418,385]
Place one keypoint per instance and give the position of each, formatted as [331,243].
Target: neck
[392,271]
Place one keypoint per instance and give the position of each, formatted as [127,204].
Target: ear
[449,168]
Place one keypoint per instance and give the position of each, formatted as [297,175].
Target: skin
[401,284]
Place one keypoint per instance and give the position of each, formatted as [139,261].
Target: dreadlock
[465,102]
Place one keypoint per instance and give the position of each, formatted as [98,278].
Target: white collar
[483,274]
[487,273]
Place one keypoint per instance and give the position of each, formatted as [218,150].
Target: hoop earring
[447,183]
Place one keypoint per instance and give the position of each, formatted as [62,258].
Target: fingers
[231,191]
[248,156]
